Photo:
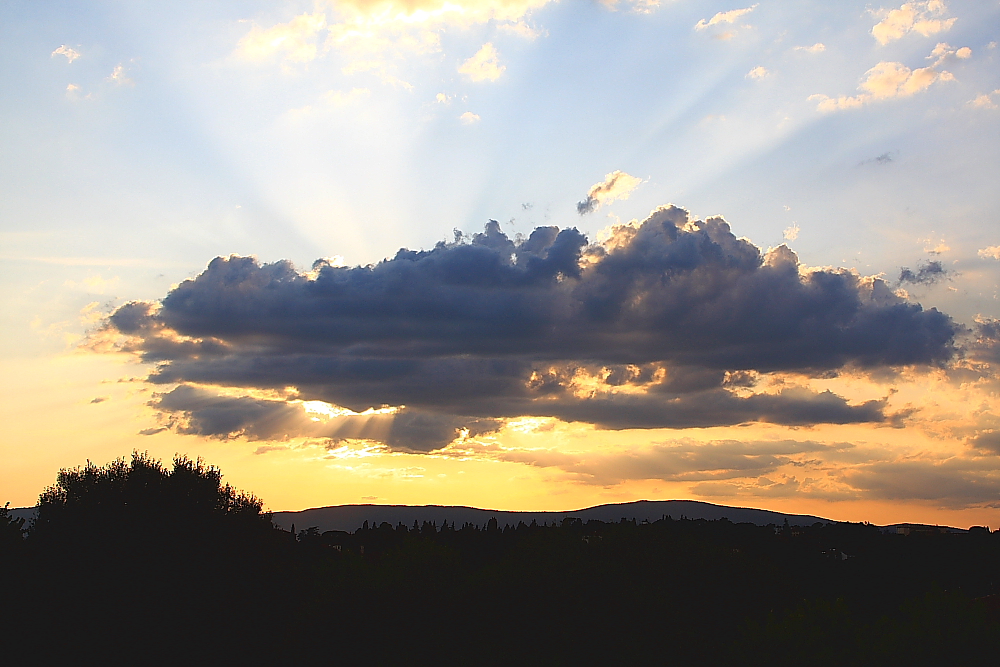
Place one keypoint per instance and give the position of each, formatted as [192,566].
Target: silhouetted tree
[122,499]
[11,529]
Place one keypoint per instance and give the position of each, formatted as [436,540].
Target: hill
[351,517]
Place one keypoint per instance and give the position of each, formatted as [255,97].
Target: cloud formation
[616,185]
[670,323]
[64,50]
[730,17]
[926,274]
[885,81]
[925,17]
[484,66]
[372,29]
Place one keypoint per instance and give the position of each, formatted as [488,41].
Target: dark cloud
[884,158]
[926,274]
[668,323]
[956,483]
[985,345]
[197,411]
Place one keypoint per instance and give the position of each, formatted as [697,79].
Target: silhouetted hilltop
[350,517]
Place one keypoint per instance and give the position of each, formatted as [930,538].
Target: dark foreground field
[180,576]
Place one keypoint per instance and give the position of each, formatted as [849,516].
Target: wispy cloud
[730,17]
[818,47]
[616,185]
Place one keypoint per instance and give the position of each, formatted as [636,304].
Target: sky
[512,254]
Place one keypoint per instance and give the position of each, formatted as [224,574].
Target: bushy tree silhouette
[142,500]
[11,529]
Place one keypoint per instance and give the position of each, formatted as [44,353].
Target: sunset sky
[513,254]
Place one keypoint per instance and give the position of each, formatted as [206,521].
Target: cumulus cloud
[815,48]
[791,232]
[484,66]
[732,16]
[927,273]
[616,185]
[469,118]
[990,252]
[925,17]
[668,323]
[757,72]
[64,50]
[985,101]
[885,81]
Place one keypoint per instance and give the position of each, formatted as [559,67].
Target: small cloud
[928,274]
[933,247]
[919,16]
[441,98]
[815,48]
[757,72]
[725,17]
[522,29]
[616,185]
[64,50]
[990,252]
[152,431]
[99,399]
[883,159]
[792,232]
[885,81]
[72,88]
[725,36]
[369,498]
[943,52]
[985,101]
[469,118]
[484,66]
[119,77]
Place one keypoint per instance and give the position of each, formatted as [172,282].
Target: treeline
[134,562]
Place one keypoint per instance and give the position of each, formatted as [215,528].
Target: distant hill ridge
[351,517]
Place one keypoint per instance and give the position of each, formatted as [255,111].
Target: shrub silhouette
[140,501]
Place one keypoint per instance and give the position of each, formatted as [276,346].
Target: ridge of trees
[136,562]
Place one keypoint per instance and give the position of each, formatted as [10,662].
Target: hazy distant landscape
[177,566]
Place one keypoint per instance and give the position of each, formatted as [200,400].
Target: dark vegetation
[136,563]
